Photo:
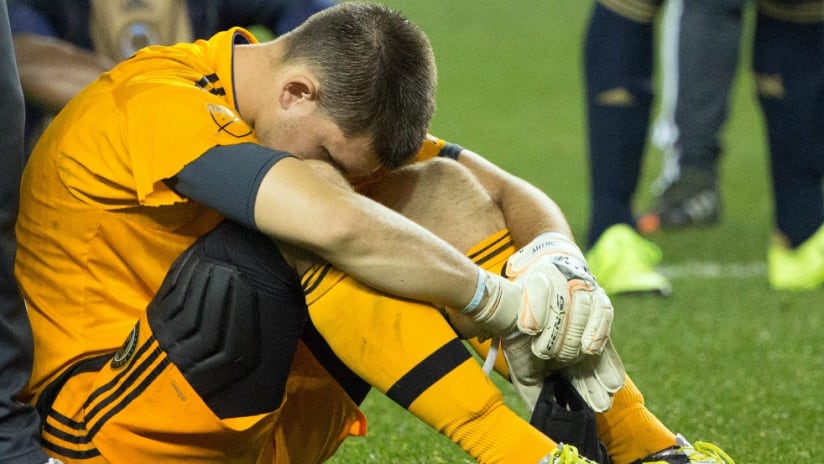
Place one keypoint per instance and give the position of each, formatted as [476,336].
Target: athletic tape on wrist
[480,289]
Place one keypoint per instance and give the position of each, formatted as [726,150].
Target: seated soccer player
[409,352]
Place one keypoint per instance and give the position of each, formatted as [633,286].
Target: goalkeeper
[127,196]
[149,209]
[408,352]
[405,349]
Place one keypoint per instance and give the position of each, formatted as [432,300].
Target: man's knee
[228,323]
[444,197]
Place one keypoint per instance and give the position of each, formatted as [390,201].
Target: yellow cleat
[796,269]
[686,453]
[624,262]
[565,454]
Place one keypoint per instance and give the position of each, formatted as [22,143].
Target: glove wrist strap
[555,241]
[477,298]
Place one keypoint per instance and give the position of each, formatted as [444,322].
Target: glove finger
[543,345]
[518,263]
[609,369]
[596,333]
[526,372]
[542,307]
[521,362]
[567,345]
[582,377]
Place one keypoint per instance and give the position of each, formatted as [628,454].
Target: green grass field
[724,359]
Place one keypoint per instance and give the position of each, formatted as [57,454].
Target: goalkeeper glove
[577,325]
[597,378]
[526,372]
[577,320]
[511,307]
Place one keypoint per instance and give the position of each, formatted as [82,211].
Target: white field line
[715,270]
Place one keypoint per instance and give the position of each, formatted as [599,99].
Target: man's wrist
[480,296]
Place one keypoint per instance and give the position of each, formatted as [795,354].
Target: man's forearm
[361,237]
[53,71]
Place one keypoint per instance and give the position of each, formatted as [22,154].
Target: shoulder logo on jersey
[125,353]
[227,121]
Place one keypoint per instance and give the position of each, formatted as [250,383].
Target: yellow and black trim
[802,12]
[492,248]
[72,438]
[642,11]
[428,372]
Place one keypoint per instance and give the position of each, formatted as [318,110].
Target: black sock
[618,74]
[789,66]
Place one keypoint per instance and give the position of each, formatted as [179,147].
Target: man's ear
[297,89]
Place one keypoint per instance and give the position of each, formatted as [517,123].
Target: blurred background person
[62,46]
[788,68]
[19,423]
[700,49]
[788,65]
[618,74]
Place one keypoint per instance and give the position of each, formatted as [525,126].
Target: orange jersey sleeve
[98,228]
[433,146]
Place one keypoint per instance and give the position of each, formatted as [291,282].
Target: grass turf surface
[724,359]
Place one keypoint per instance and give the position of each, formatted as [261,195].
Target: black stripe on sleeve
[450,150]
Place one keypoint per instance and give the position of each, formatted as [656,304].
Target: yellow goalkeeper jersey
[98,228]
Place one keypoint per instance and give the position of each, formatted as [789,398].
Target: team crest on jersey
[227,121]
[125,353]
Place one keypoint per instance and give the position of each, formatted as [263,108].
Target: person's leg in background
[19,423]
[788,63]
[707,36]
[618,69]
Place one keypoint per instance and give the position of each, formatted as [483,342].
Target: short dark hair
[376,74]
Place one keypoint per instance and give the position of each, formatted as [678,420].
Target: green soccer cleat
[565,454]
[796,269]
[685,453]
[624,262]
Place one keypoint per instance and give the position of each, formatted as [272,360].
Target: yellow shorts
[139,408]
